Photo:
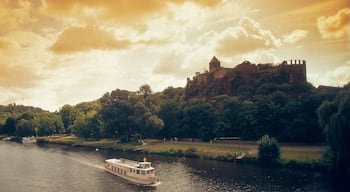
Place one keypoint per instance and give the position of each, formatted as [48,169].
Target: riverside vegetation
[123,115]
[298,157]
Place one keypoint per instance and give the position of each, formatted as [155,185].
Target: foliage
[333,118]
[268,150]
[68,115]
[49,123]
[10,126]
[264,106]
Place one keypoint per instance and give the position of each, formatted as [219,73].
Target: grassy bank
[290,158]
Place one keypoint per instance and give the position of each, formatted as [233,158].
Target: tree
[10,126]
[68,115]
[198,119]
[247,120]
[145,90]
[334,119]
[49,123]
[117,109]
[268,150]
[25,127]
[170,114]
[86,126]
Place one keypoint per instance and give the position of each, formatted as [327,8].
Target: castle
[220,80]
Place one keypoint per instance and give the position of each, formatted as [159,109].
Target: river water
[53,168]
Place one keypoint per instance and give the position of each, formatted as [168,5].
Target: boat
[28,140]
[141,173]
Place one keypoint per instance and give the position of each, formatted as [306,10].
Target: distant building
[220,80]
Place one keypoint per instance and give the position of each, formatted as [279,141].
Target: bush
[268,150]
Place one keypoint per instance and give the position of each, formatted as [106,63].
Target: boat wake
[89,164]
[97,165]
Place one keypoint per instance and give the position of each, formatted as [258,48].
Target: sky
[57,52]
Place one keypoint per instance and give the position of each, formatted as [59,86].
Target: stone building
[220,80]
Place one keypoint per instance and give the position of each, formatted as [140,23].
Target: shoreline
[292,156]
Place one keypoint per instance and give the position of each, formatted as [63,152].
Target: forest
[125,115]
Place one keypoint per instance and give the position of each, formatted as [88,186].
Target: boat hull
[128,174]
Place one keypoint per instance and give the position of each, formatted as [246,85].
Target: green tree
[10,126]
[49,123]
[334,119]
[247,120]
[25,127]
[116,112]
[145,90]
[86,126]
[170,114]
[268,150]
[198,119]
[68,115]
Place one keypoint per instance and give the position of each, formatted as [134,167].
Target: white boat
[28,140]
[141,173]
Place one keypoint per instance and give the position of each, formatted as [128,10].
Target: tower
[214,64]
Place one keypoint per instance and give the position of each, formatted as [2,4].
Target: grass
[202,150]
[301,155]
[103,143]
[293,159]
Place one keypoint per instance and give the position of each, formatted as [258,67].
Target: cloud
[4,44]
[260,56]
[77,39]
[339,76]
[295,36]
[248,41]
[336,26]
[168,63]
[123,11]
[13,76]
[246,37]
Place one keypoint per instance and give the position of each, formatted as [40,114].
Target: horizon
[54,53]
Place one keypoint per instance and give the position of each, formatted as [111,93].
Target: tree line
[122,114]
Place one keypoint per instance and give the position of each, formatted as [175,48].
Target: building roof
[214,60]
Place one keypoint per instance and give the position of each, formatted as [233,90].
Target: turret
[214,64]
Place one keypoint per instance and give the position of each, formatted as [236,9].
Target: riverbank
[294,156]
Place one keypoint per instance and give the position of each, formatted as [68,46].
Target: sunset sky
[56,52]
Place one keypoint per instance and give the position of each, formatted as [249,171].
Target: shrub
[268,150]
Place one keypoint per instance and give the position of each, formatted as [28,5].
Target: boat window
[143,173]
[138,172]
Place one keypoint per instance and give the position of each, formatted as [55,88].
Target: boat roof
[131,164]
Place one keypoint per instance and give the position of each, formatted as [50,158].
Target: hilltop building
[220,80]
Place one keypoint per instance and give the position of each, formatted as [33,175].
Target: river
[54,168]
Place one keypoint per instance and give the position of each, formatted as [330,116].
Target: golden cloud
[18,77]
[169,63]
[246,37]
[77,39]
[295,36]
[121,9]
[4,44]
[336,26]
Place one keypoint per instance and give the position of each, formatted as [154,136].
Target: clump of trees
[268,150]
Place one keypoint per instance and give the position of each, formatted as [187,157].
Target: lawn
[193,149]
